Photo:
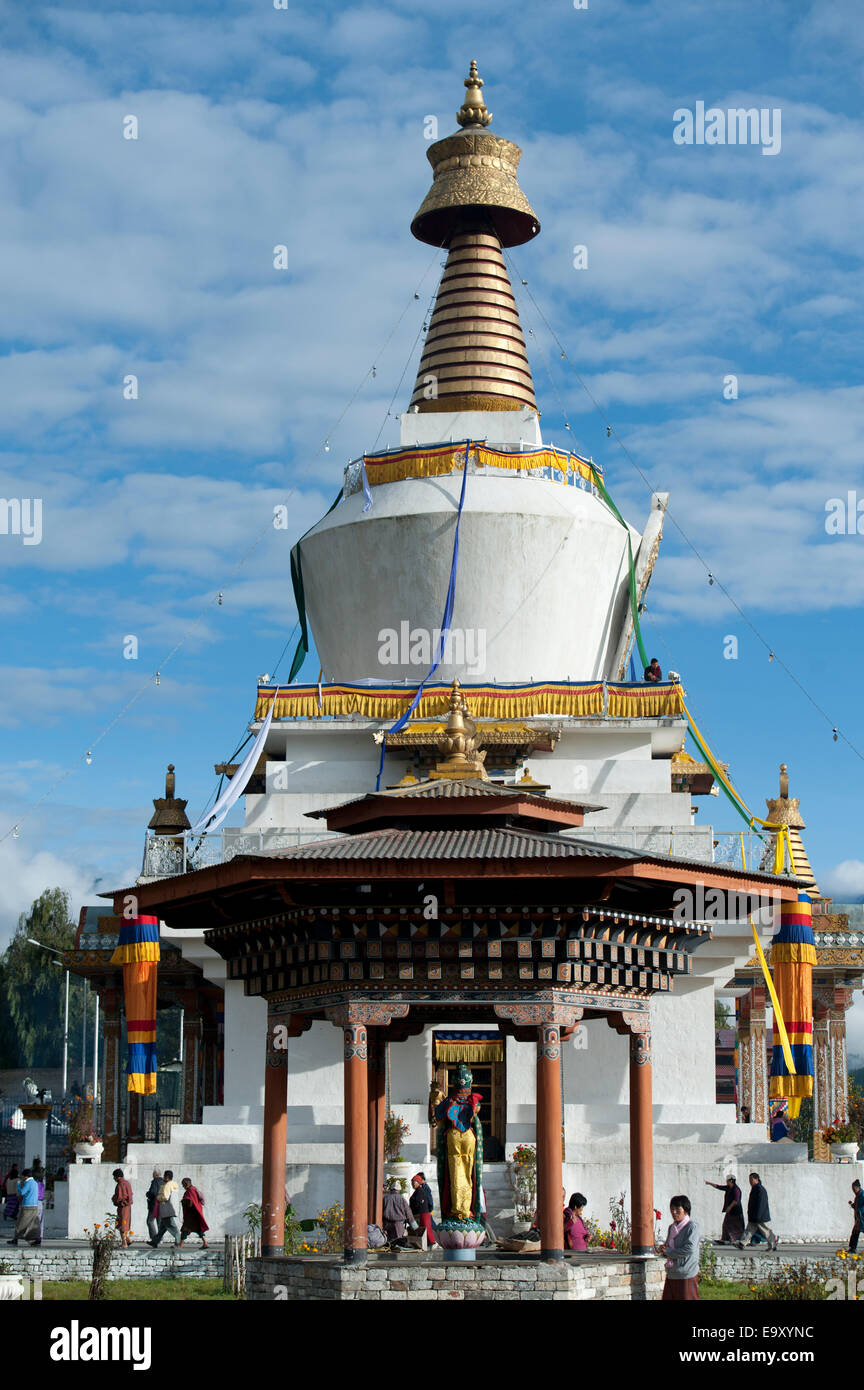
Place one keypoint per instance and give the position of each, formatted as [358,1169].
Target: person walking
[27,1224]
[396,1214]
[193,1213]
[122,1200]
[11,1199]
[420,1203]
[575,1229]
[166,1210]
[153,1204]
[39,1179]
[758,1216]
[681,1249]
[857,1205]
[733,1212]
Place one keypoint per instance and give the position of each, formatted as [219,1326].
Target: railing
[239,1249]
[12,1126]
[701,843]
[165,855]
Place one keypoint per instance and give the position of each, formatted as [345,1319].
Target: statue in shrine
[460,1164]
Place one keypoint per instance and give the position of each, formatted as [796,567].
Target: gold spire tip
[473,111]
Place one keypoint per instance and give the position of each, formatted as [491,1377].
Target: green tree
[32,987]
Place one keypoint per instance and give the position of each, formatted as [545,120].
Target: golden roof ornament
[460,742]
[473,110]
[169,811]
[474,350]
[784,810]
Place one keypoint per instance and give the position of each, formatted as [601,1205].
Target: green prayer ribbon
[302,648]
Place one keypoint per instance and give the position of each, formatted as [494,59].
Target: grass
[723,1291]
[139,1290]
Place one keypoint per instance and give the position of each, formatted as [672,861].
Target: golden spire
[473,109]
[785,810]
[474,357]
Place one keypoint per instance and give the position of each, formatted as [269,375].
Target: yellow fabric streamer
[778,1016]
[469,1052]
[306,702]
[644,702]
[419,463]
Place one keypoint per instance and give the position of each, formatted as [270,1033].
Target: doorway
[489,1079]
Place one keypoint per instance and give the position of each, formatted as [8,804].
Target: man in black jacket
[758,1215]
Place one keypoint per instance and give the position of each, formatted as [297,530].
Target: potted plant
[396,1131]
[83,1140]
[11,1284]
[841,1138]
[522,1176]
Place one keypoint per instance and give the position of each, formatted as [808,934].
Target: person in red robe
[193,1213]
[122,1200]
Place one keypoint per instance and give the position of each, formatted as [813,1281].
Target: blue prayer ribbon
[445,626]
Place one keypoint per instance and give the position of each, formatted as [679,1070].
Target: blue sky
[304,127]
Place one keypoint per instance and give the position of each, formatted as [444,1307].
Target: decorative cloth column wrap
[138,952]
[793,955]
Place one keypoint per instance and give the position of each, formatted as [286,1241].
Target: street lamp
[51,951]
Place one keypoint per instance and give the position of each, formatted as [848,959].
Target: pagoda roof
[434,799]
[471,842]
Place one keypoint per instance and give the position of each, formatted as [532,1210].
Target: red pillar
[376,1065]
[356,1136]
[550,1207]
[275,1136]
[641,1146]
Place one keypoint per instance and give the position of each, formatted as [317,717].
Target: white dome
[541,589]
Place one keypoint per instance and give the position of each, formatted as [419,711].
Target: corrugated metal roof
[476,842]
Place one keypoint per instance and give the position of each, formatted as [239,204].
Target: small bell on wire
[524,282]
[770,656]
[326,446]
[88,760]
[416,296]
[834,734]
[710,577]
[608,431]
[15,832]
[158,682]
[374,371]
[219,598]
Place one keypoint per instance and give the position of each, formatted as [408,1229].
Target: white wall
[245,1042]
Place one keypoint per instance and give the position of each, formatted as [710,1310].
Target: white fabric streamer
[213,818]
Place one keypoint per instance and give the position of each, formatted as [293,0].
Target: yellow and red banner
[793,955]
[137,951]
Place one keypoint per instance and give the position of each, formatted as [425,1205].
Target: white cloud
[845,882]
[23,876]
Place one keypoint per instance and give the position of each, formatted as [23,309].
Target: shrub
[798,1283]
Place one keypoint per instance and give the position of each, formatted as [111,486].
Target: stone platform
[73,1259]
[490,1278]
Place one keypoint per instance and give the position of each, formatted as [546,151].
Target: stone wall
[324,1278]
[755,1269]
[57,1262]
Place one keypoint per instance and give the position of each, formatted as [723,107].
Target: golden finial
[473,110]
[460,742]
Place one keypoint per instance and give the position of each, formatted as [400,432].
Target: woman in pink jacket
[575,1230]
